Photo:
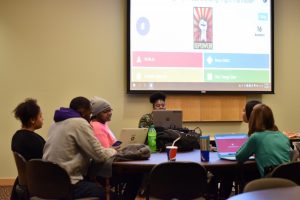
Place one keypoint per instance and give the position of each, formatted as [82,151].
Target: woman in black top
[25,141]
[28,143]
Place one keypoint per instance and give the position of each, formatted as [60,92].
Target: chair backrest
[47,180]
[20,189]
[294,155]
[21,168]
[268,183]
[179,180]
[297,147]
[289,171]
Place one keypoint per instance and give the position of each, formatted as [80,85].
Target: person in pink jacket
[101,114]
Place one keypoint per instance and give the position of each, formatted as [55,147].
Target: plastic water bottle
[152,138]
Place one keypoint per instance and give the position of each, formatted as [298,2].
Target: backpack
[189,139]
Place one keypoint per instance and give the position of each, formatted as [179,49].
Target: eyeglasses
[159,105]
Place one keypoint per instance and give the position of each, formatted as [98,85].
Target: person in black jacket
[25,141]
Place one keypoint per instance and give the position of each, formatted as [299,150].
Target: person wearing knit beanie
[99,105]
[101,114]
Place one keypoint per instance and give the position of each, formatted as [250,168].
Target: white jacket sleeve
[89,144]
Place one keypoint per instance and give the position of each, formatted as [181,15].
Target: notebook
[133,136]
[167,118]
[228,144]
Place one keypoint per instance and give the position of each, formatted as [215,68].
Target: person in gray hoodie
[71,144]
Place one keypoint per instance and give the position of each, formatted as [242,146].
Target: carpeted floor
[5,192]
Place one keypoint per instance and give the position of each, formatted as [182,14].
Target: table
[214,164]
[287,193]
[223,169]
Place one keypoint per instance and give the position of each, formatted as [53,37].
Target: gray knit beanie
[98,105]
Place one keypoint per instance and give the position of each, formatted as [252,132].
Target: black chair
[48,180]
[179,180]
[21,183]
[289,171]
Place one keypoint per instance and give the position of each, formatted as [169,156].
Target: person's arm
[145,121]
[102,138]
[90,145]
[246,150]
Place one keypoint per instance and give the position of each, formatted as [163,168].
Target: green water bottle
[152,138]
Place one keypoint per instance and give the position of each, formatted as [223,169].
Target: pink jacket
[103,134]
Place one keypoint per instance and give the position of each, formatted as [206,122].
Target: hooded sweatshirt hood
[65,113]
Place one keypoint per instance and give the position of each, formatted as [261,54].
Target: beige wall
[56,50]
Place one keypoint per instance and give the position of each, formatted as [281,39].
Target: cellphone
[117,143]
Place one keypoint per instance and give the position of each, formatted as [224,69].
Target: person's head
[101,109]
[261,119]
[29,113]
[158,101]
[248,109]
[83,106]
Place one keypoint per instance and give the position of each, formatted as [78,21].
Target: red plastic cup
[171,152]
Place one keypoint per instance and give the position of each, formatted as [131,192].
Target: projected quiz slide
[198,44]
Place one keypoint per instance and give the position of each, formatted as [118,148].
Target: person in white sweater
[71,144]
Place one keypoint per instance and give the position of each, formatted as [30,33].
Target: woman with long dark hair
[270,146]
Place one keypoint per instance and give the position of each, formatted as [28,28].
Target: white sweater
[71,144]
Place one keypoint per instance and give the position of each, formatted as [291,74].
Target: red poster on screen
[203,28]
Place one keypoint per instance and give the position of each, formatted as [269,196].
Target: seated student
[25,141]
[222,183]
[250,175]
[248,109]
[72,144]
[101,114]
[270,147]
[157,100]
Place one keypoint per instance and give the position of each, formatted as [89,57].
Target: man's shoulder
[75,122]
[73,127]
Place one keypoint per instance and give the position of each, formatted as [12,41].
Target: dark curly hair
[27,110]
[156,96]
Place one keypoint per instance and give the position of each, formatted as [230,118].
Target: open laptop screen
[230,143]
[133,136]
[167,118]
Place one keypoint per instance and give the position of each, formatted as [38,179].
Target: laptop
[133,136]
[228,144]
[171,119]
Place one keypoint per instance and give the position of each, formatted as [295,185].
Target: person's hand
[117,148]
[213,149]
